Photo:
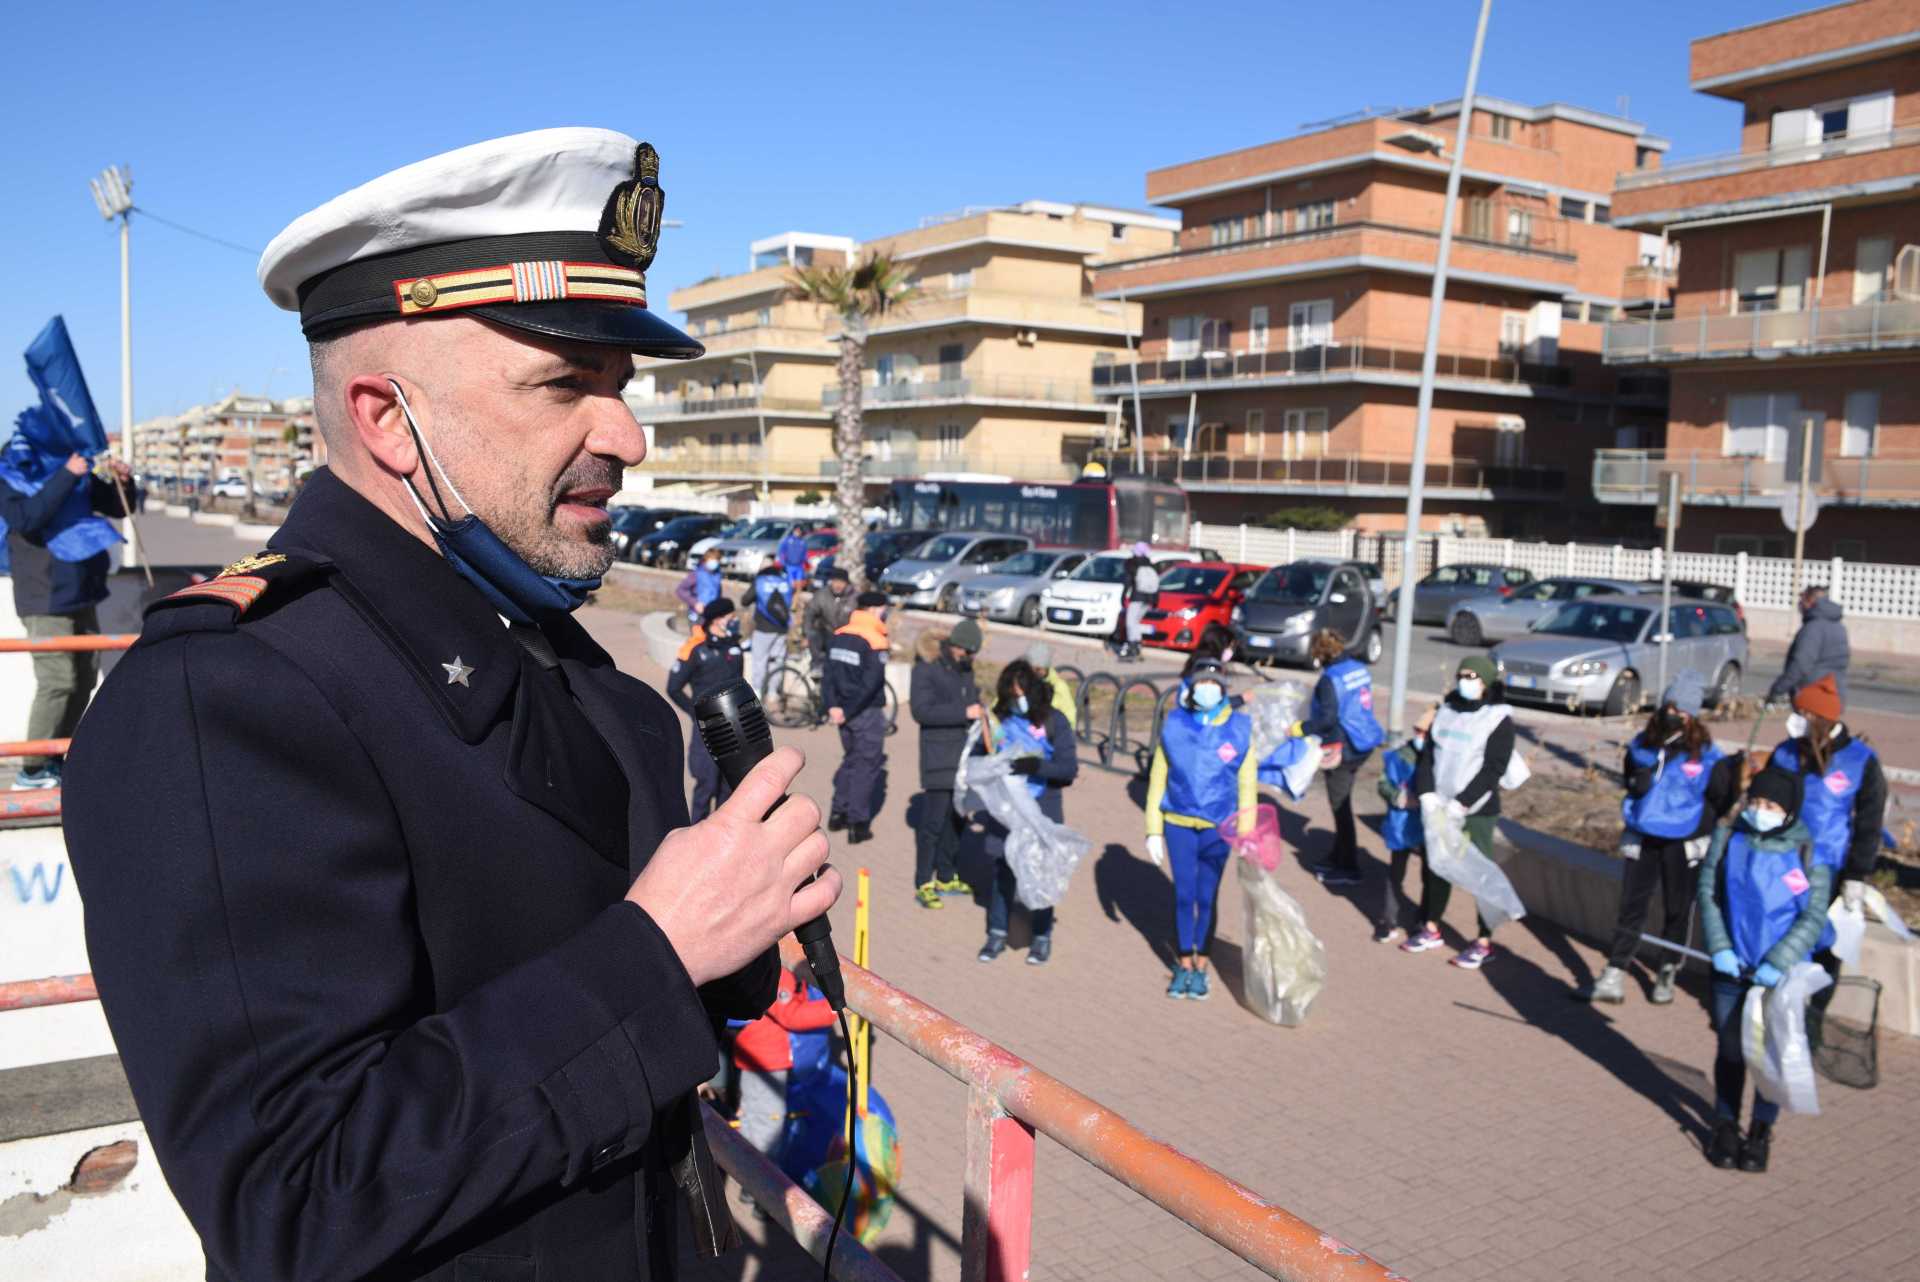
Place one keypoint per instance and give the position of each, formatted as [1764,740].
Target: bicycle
[792,700]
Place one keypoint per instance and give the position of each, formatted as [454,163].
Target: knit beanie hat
[1781,787]
[965,636]
[1821,699]
[718,608]
[1481,666]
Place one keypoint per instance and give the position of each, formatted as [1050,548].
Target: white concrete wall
[133,1232]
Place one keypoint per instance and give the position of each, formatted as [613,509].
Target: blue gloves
[1727,962]
[1767,975]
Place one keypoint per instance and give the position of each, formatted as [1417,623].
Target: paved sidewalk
[1457,1126]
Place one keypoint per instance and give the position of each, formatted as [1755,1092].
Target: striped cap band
[527,282]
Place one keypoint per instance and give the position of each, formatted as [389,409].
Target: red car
[819,544]
[1194,594]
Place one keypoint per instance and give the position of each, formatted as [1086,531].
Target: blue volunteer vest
[1353,686]
[1401,829]
[1672,807]
[1766,891]
[766,586]
[1827,806]
[1027,739]
[706,585]
[1203,762]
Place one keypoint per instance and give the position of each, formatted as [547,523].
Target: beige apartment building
[238,435]
[1283,334]
[986,370]
[1795,324]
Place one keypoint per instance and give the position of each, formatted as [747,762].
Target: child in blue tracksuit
[1401,830]
[1763,896]
[793,558]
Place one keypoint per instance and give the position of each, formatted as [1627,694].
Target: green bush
[1305,518]
[810,497]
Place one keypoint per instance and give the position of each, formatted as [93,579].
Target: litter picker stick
[1682,949]
[146,563]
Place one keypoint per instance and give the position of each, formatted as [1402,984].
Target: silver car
[1604,653]
[1010,591]
[744,554]
[938,568]
[1477,621]
[1449,585]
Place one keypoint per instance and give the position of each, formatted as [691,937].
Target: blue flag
[64,423]
[55,369]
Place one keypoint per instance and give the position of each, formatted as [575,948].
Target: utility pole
[1800,507]
[1672,522]
[1429,362]
[1133,356]
[113,196]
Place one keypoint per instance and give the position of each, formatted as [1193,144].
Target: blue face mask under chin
[511,586]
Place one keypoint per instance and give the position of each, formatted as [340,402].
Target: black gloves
[1026,766]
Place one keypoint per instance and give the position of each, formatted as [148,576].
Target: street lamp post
[113,196]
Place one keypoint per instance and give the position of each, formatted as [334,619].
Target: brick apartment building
[1797,305]
[986,370]
[274,441]
[1283,335]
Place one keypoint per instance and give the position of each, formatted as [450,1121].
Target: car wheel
[1726,686]
[1624,698]
[1372,653]
[950,599]
[1466,630]
[1030,612]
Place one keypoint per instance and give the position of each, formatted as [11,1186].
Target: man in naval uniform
[411,958]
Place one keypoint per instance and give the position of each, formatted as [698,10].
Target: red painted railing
[48,645]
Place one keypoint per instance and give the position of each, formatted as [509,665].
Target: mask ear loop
[433,461]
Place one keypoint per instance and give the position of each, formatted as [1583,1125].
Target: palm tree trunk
[849,490]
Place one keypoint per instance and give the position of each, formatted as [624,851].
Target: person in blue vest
[1025,719]
[1341,716]
[1202,775]
[1679,785]
[793,556]
[1401,830]
[772,616]
[700,587]
[1763,907]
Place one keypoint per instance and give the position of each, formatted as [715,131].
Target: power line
[144,212]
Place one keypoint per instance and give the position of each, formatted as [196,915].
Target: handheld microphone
[734,727]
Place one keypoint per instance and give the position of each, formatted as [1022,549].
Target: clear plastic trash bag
[1261,842]
[1285,966]
[1849,929]
[1878,907]
[1273,707]
[1042,853]
[1773,1038]
[1452,856]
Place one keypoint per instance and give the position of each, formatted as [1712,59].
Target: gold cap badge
[630,224]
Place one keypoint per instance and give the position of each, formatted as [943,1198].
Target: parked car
[1482,619]
[1194,596]
[820,546]
[1437,594]
[884,547]
[1376,578]
[1087,601]
[1699,590]
[667,546]
[935,572]
[743,554]
[230,487]
[631,524]
[1604,652]
[1010,591]
[1289,603]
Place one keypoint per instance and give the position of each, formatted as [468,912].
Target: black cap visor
[633,329]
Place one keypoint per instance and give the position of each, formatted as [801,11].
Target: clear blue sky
[849,118]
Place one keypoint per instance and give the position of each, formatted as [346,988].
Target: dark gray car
[1437,594]
[1289,603]
[1482,620]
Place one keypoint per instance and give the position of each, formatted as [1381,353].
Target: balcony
[1034,468]
[743,338]
[953,307]
[1886,479]
[1723,183]
[971,389]
[1877,326]
[1355,361]
[661,409]
[1350,475]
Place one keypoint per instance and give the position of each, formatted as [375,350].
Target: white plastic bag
[1452,856]
[1272,708]
[1042,853]
[1516,773]
[1876,903]
[1849,928]
[1285,964]
[1773,1038]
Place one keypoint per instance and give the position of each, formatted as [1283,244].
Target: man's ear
[373,407]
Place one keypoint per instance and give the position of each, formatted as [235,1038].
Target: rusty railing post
[996,1226]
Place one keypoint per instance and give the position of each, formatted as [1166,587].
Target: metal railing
[1637,475]
[42,805]
[651,408]
[1036,468]
[1339,472]
[967,387]
[1883,323]
[1545,236]
[1739,162]
[1353,357]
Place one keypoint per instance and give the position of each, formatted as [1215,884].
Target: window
[764,316]
[1479,218]
[948,443]
[1176,431]
[1310,325]
[1850,549]
[960,280]
[1751,544]
[1872,257]
[1602,213]
[1501,127]
[1183,338]
[1303,434]
[1641,155]
[1513,333]
[1866,117]
[1119,231]
[1572,309]
[1509,441]
[951,356]
[1226,231]
[883,369]
[1757,425]
[1519,227]
[1575,209]
[1256,436]
[1771,280]
[1862,424]
[1314,216]
[1257,330]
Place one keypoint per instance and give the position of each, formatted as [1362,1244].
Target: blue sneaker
[40,777]
[1182,985]
[1197,988]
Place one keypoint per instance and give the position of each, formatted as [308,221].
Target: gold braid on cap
[630,224]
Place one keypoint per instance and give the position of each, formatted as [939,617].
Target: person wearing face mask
[1202,775]
[772,616]
[855,694]
[1763,907]
[701,585]
[1467,751]
[1341,716]
[1025,720]
[1401,830]
[1040,656]
[1679,784]
[945,701]
[708,659]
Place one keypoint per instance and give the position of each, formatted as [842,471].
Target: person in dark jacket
[1679,785]
[1819,648]
[1025,719]
[945,701]
[1469,748]
[854,691]
[828,610]
[1341,717]
[1400,829]
[709,659]
[55,597]
[1763,908]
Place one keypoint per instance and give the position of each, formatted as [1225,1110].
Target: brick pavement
[1457,1126]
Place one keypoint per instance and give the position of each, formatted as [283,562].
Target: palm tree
[180,466]
[859,295]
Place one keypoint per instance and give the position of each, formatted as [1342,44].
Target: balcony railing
[1035,468]
[651,408]
[1637,476]
[1740,162]
[1544,234]
[968,387]
[1355,357]
[1340,473]
[1721,335]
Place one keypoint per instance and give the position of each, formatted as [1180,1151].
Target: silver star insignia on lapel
[458,672]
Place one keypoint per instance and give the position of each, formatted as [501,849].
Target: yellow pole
[860,1051]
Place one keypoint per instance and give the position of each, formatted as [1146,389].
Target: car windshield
[1291,583]
[1192,578]
[944,548]
[1102,569]
[817,541]
[681,525]
[1595,620]
[1026,564]
[627,518]
[769,529]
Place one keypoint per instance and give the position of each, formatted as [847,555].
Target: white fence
[1865,589]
